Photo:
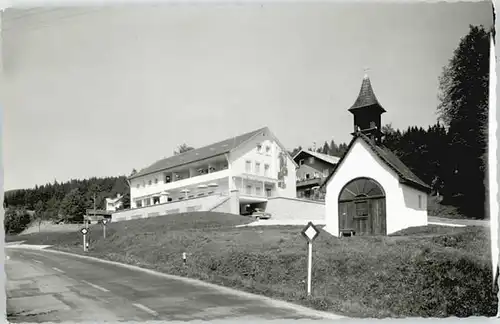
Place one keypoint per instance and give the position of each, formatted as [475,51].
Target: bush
[16,220]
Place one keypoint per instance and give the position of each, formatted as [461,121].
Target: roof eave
[138,174]
[375,104]
[415,185]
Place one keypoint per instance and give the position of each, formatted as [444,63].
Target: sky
[98,91]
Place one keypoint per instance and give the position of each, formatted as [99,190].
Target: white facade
[113,204]
[255,167]
[252,168]
[405,206]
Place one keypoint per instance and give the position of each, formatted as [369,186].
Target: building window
[167,179]
[156,181]
[249,190]
[325,172]
[257,167]
[259,148]
[301,162]
[149,182]
[266,170]
[419,201]
[268,150]
[147,202]
[258,191]
[144,183]
[156,200]
[248,166]
[316,175]
[308,175]
[311,159]
[269,192]
[138,186]
[138,203]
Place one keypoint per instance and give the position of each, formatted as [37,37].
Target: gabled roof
[404,173]
[325,157]
[198,154]
[202,153]
[366,96]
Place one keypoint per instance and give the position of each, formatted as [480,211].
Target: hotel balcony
[311,182]
[254,187]
[185,182]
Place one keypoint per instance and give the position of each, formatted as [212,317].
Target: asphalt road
[44,286]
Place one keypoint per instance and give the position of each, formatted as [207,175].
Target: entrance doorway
[362,209]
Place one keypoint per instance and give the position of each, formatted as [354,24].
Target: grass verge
[431,271]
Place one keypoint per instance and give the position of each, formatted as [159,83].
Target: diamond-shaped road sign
[310,232]
[84,231]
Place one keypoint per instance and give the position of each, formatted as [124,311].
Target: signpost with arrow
[310,232]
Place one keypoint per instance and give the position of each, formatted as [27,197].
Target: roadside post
[85,231]
[310,232]
[104,223]
[184,257]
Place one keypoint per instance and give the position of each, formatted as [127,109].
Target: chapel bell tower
[367,112]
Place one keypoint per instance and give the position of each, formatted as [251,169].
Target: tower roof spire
[366,96]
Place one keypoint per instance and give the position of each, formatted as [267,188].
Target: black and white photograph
[183,161]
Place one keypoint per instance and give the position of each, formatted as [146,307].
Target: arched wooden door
[362,208]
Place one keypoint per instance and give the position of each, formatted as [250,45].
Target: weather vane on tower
[366,69]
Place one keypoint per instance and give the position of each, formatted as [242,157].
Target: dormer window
[268,149]
[259,148]
[301,162]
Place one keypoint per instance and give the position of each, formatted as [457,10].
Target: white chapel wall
[362,162]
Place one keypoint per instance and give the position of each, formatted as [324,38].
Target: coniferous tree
[463,108]
[326,148]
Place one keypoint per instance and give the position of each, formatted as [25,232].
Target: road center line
[59,270]
[144,308]
[95,286]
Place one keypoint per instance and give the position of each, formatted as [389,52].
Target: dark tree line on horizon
[450,156]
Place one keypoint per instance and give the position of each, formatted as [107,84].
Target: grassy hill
[430,271]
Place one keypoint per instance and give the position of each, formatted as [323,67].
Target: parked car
[260,214]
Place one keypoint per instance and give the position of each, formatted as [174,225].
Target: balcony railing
[308,182]
[193,181]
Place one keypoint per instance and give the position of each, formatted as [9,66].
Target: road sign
[310,232]
[85,231]
[104,222]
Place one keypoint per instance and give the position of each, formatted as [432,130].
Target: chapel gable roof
[405,175]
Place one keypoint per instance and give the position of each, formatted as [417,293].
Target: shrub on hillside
[16,220]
